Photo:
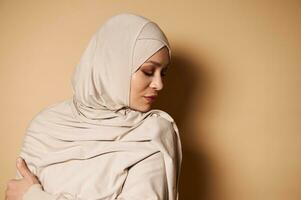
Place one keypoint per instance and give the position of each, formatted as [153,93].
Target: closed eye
[147,73]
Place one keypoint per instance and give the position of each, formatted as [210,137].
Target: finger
[10,187]
[23,169]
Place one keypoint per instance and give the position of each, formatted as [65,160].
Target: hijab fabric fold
[95,136]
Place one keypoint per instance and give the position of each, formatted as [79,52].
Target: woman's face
[147,81]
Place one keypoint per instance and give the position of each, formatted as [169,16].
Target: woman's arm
[26,186]
[36,192]
[146,180]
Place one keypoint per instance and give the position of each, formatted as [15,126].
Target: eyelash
[151,74]
[147,73]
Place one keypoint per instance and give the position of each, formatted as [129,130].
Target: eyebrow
[154,62]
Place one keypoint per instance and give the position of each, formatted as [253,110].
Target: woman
[106,142]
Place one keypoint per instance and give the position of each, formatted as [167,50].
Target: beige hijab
[85,147]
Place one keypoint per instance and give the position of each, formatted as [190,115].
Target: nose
[157,83]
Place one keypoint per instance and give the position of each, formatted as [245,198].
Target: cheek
[139,84]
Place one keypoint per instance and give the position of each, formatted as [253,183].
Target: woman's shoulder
[51,111]
[161,121]
[161,117]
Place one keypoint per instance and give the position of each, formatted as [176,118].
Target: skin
[16,188]
[146,81]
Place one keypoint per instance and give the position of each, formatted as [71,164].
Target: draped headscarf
[96,136]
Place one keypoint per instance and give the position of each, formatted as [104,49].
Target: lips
[150,98]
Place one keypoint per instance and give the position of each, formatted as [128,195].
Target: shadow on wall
[185,81]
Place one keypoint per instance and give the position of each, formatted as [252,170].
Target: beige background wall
[234,87]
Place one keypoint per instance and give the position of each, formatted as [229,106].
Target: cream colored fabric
[36,192]
[94,146]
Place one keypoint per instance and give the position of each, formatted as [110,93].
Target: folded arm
[145,180]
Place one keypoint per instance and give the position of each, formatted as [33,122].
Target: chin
[142,108]
[146,110]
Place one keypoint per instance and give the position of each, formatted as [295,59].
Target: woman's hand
[16,188]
